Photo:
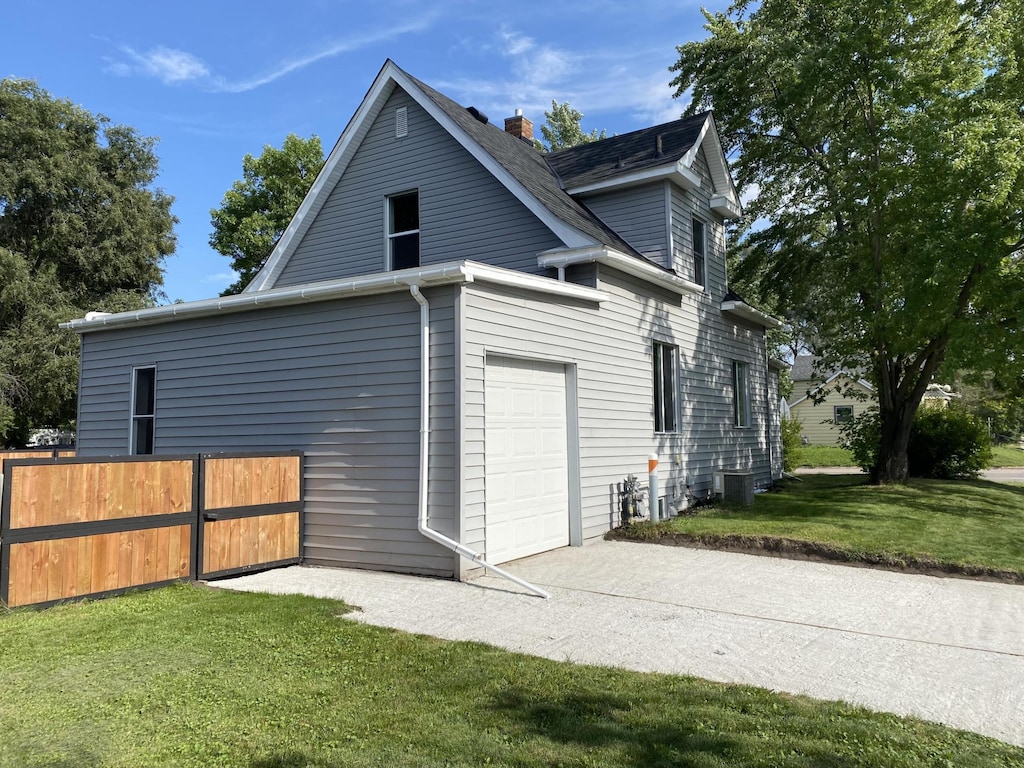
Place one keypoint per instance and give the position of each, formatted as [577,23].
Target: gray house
[465,336]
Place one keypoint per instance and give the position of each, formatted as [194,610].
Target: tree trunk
[891,465]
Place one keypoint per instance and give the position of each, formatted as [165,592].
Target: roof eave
[675,172]
[741,309]
[644,270]
[381,282]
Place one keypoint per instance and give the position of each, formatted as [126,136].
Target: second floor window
[404,230]
[699,250]
[664,388]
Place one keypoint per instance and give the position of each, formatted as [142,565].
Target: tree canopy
[562,130]
[256,210]
[882,142]
[81,228]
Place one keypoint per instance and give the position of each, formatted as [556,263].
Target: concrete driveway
[948,650]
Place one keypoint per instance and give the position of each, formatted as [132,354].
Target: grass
[823,456]
[1007,456]
[187,676]
[973,527]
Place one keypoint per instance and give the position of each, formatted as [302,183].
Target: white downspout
[451,544]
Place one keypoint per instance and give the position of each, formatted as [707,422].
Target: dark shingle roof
[527,166]
[626,153]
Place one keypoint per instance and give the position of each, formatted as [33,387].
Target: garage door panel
[526,454]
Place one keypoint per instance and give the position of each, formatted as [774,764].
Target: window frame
[835,414]
[390,236]
[742,410]
[135,417]
[666,412]
[700,255]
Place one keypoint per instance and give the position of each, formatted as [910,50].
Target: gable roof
[511,161]
[866,385]
[619,155]
[527,165]
[667,151]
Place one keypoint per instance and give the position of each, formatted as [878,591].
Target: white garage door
[527,459]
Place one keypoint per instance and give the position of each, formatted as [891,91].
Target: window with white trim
[665,388]
[699,252]
[404,230]
[841,414]
[143,410]
[741,393]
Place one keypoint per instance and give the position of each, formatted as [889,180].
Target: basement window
[404,230]
[665,386]
[143,410]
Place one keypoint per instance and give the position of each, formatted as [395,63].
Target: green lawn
[1007,456]
[823,456]
[970,526]
[187,676]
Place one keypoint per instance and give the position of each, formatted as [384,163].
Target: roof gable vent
[401,122]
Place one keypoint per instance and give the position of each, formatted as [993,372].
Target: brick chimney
[519,127]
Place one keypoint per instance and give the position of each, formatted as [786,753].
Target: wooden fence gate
[72,528]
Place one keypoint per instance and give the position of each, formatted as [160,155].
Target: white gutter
[560,258]
[380,282]
[422,523]
[747,312]
[679,172]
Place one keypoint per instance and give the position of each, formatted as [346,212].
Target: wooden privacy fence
[71,528]
[35,453]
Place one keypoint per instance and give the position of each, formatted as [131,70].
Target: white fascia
[630,265]
[381,282]
[677,172]
[725,207]
[750,314]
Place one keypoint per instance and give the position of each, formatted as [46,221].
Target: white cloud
[166,64]
[173,66]
[593,81]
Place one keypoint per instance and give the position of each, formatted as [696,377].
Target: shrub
[945,443]
[861,436]
[948,443]
[790,442]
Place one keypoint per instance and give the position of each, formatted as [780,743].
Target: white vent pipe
[424,528]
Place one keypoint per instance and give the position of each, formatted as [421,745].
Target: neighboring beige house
[821,420]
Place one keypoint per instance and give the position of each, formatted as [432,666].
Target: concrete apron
[942,649]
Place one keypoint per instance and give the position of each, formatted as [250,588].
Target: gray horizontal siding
[465,213]
[338,380]
[638,215]
[611,349]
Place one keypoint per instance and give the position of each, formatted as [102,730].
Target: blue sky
[216,80]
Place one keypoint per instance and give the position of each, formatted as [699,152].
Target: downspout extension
[422,524]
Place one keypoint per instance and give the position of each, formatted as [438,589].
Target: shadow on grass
[624,727]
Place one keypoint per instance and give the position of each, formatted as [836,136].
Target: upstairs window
[841,414]
[741,393]
[143,410]
[404,230]
[699,253]
[664,388]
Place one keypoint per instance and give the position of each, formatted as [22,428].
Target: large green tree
[256,210]
[562,129]
[81,228]
[883,144]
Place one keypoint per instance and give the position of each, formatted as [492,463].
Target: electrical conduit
[424,528]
